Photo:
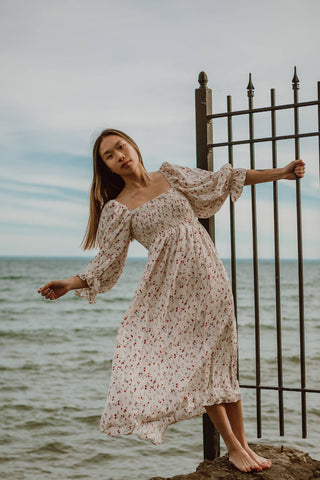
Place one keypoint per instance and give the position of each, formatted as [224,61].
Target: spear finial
[295,80]
[203,79]
[250,87]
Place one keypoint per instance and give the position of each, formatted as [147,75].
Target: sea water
[56,361]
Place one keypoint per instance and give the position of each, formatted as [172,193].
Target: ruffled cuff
[237,183]
[90,292]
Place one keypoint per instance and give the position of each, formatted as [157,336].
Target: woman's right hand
[55,289]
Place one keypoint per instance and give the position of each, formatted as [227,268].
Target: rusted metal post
[211,438]
[204,135]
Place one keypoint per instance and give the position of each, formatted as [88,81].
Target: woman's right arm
[57,288]
[104,270]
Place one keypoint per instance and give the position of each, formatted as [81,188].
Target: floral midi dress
[176,348]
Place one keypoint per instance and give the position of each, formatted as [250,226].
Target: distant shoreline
[40,257]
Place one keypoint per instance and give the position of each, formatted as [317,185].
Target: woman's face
[118,155]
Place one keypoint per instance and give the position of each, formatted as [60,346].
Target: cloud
[72,68]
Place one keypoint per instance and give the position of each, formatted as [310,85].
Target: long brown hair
[105,186]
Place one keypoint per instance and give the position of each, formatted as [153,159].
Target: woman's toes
[263,462]
[243,462]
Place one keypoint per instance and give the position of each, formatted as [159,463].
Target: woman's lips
[125,164]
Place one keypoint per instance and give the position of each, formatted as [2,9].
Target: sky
[71,68]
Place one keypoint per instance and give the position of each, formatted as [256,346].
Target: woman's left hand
[293,170]
[55,289]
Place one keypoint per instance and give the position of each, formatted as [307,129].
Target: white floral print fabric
[176,347]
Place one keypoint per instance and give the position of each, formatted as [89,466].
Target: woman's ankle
[234,447]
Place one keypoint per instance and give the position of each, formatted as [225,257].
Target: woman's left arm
[289,172]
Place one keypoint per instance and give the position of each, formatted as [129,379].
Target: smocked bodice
[163,215]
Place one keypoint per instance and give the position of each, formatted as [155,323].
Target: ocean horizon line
[76,257]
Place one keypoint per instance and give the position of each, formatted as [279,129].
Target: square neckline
[142,204]
[151,199]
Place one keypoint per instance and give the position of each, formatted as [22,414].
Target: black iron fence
[205,149]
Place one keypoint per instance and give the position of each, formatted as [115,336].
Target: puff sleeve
[206,191]
[113,236]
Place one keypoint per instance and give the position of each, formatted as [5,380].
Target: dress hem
[157,435]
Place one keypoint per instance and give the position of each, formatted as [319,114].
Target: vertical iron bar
[277,267]
[295,86]
[250,89]
[204,136]
[232,218]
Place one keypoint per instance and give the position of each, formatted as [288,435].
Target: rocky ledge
[287,464]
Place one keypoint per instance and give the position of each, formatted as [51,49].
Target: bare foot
[263,462]
[243,461]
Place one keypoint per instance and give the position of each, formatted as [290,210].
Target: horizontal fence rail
[263,109]
[266,139]
[205,160]
[284,389]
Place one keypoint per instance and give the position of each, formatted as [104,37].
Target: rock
[287,464]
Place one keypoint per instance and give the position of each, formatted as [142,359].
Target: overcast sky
[73,67]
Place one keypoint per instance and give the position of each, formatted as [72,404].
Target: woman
[176,352]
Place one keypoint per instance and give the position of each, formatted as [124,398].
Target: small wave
[71,409]
[251,326]
[9,388]
[94,363]
[36,335]
[14,277]
[20,407]
[116,299]
[36,424]
[97,459]
[6,459]
[314,411]
[291,358]
[27,366]
[89,420]
[52,447]
[6,439]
